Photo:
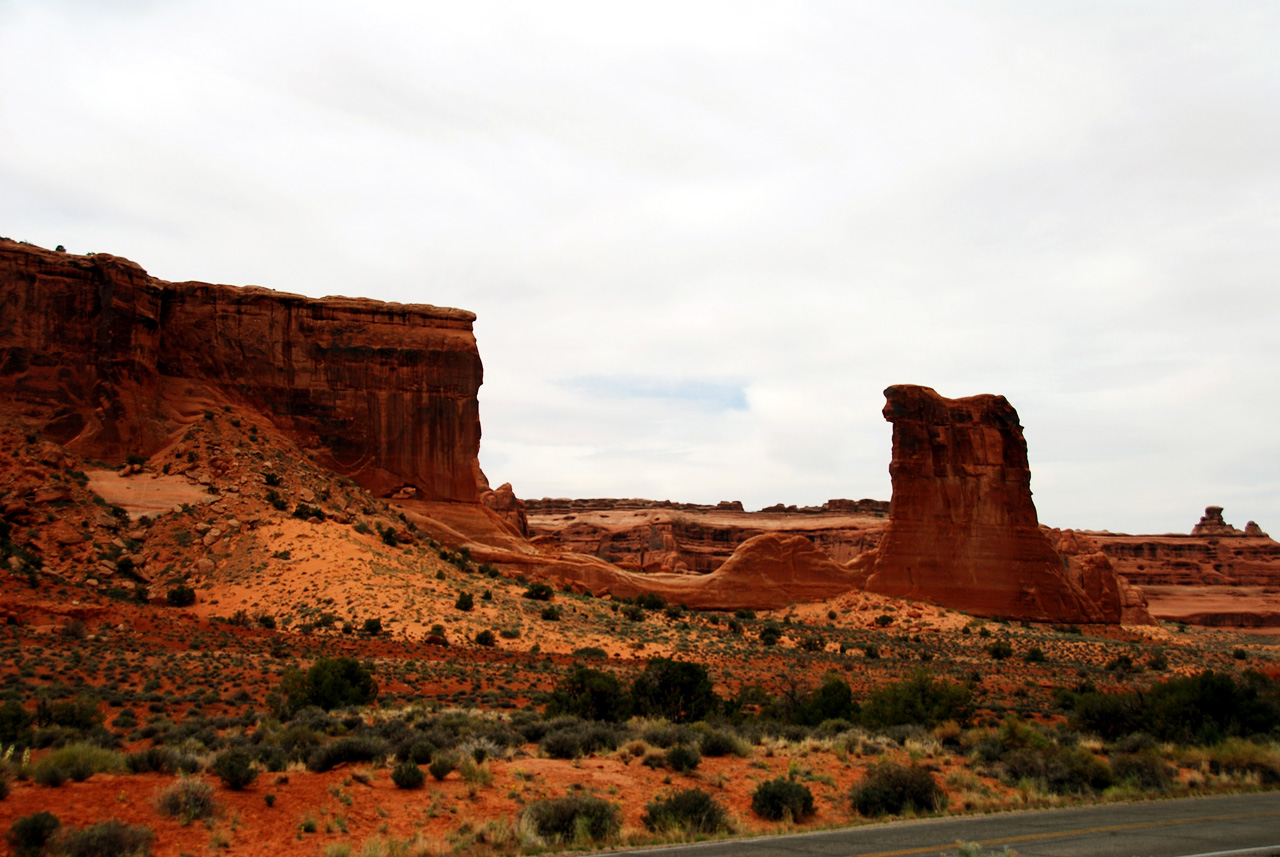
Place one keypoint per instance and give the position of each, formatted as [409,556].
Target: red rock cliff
[109,361]
[962,528]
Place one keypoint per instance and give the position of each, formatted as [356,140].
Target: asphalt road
[1222,825]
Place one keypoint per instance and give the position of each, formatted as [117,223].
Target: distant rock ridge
[963,530]
[565,506]
[111,362]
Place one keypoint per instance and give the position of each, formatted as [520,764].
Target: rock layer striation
[963,530]
[110,362]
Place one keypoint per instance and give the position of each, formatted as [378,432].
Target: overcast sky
[701,238]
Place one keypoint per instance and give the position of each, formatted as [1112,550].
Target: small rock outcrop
[110,362]
[963,531]
[1211,524]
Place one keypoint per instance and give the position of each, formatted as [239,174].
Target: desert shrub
[781,798]
[485,638]
[371,627]
[443,765]
[80,713]
[112,838]
[679,691]
[667,735]
[576,818]
[919,700]
[1199,709]
[352,748]
[1060,770]
[1034,655]
[833,700]
[77,762]
[180,596]
[1000,649]
[31,835]
[159,760]
[1144,770]
[538,592]
[551,613]
[683,759]
[580,739]
[692,811]
[891,789]
[187,799]
[235,769]
[717,742]
[770,635]
[15,724]
[407,775]
[330,683]
[590,694]
[465,601]
[305,512]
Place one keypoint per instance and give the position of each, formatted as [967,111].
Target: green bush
[580,739]
[160,760]
[330,683]
[1199,709]
[891,789]
[77,762]
[110,838]
[717,743]
[678,691]
[590,694]
[235,769]
[833,700]
[351,748]
[573,819]
[372,627]
[691,811]
[465,601]
[180,596]
[551,613]
[539,592]
[1143,770]
[918,700]
[187,799]
[15,724]
[782,798]
[486,639]
[683,759]
[443,765]
[1000,649]
[31,835]
[407,775]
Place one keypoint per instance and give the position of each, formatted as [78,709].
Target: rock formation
[767,572]
[962,528]
[1211,524]
[661,536]
[110,361]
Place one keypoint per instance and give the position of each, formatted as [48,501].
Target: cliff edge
[111,362]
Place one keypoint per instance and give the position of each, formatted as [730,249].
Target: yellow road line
[1058,834]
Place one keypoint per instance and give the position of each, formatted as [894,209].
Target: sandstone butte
[963,530]
[110,361]
[113,363]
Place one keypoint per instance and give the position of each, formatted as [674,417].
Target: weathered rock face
[1211,524]
[685,538]
[962,528]
[767,572]
[110,361]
